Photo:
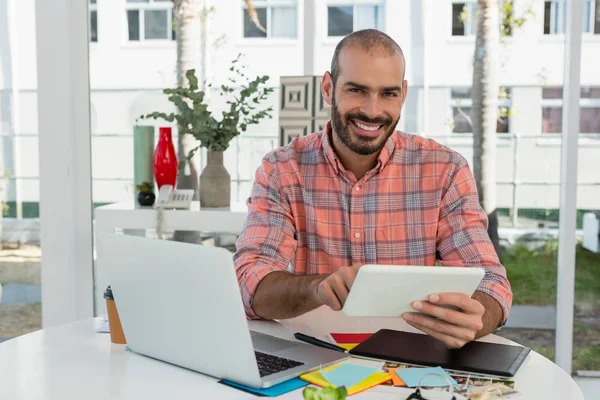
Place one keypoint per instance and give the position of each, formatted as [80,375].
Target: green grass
[584,359]
[533,275]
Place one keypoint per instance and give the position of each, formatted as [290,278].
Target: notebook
[417,349]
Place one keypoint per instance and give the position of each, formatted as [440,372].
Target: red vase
[165,159]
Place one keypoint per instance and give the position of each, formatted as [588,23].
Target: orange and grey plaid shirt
[417,206]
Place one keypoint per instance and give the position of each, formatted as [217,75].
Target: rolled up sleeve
[267,243]
[462,238]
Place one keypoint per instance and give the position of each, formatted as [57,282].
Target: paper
[395,378]
[376,364]
[376,378]
[412,377]
[347,375]
[273,391]
[350,338]
[104,327]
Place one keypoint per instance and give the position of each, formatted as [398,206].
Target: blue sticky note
[273,391]
[412,377]
[347,375]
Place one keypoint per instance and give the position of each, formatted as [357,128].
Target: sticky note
[412,377]
[395,378]
[347,375]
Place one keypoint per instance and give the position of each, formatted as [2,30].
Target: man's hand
[454,328]
[333,290]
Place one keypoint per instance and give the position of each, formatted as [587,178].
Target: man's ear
[404,92]
[327,87]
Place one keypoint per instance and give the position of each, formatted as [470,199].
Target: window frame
[151,5]
[558,17]
[93,8]
[354,4]
[269,5]
[456,102]
[584,102]
[470,24]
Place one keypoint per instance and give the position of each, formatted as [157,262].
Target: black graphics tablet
[417,349]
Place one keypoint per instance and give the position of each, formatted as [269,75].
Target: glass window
[250,29]
[343,20]
[340,21]
[367,16]
[462,107]
[133,22]
[93,21]
[284,22]
[150,20]
[156,24]
[555,16]
[464,18]
[597,18]
[279,18]
[589,114]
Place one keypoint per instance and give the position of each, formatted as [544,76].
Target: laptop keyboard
[269,364]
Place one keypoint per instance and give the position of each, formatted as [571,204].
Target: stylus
[317,342]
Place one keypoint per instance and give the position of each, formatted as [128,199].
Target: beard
[359,144]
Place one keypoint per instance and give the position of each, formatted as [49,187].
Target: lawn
[533,277]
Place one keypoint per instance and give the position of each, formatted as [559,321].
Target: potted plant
[194,117]
[146,196]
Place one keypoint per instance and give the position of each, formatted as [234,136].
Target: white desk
[73,362]
[130,215]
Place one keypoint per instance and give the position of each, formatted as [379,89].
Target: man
[359,193]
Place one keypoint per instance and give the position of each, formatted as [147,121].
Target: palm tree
[187,15]
[190,17]
[485,91]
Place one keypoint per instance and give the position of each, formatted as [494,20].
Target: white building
[132,58]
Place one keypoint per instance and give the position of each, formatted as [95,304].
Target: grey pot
[215,182]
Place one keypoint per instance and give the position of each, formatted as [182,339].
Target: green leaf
[191,77]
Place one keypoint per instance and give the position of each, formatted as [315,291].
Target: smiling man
[360,192]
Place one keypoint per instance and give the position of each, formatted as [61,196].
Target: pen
[317,342]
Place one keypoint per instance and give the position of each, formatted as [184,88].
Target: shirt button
[357,188]
[357,235]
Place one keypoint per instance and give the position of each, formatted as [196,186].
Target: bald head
[370,40]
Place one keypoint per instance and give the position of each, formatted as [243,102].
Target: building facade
[133,57]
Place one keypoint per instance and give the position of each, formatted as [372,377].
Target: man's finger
[449,341]
[348,275]
[459,300]
[340,289]
[440,326]
[459,318]
[327,296]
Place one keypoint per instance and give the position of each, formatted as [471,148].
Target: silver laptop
[181,303]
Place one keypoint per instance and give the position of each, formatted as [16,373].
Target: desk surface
[73,362]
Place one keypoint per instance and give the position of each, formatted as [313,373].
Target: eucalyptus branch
[194,117]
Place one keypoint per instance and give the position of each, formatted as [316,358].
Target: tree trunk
[187,15]
[485,90]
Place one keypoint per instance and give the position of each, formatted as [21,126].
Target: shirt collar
[384,156]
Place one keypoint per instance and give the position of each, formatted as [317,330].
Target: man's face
[367,98]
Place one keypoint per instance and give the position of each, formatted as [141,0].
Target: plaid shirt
[418,206]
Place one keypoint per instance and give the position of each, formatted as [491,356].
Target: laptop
[181,303]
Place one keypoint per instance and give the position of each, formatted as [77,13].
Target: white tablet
[389,290]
